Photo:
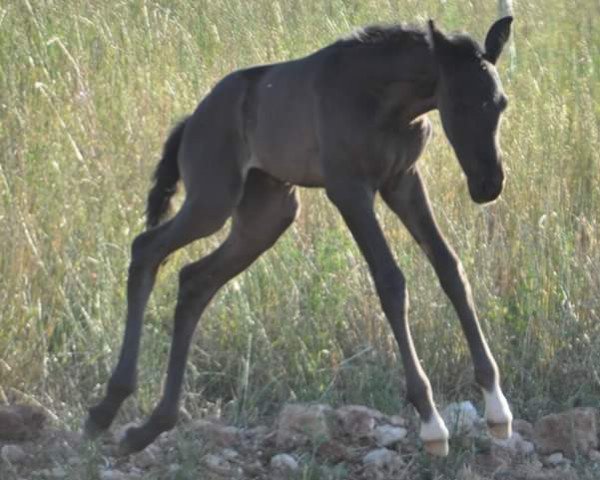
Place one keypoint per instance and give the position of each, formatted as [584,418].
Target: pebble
[386,435]
[145,459]
[13,454]
[460,418]
[113,475]
[283,461]
[556,459]
[379,458]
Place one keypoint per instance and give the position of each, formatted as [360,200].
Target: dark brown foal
[350,119]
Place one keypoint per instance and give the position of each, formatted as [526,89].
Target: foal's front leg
[355,202]
[407,197]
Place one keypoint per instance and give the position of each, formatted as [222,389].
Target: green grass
[88,92]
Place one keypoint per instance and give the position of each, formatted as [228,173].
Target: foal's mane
[406,36]
[387,35]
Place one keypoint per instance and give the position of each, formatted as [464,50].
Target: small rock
[386,435]
[13,454]
[335,451]
[217,464]
[145,459]
[253,469]
[135,473]
[217,434]
[174,468]
[594,456]
[121,431]
[284,462]
[398,421]
[113,475]
[523,427]
[20,422]
[301,424]
[58,472]
[229,453]
[381,458]
[515,444]
[571,433]
[555,459]
[460,418]
[358,421]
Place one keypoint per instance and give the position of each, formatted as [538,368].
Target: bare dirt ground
[308,442]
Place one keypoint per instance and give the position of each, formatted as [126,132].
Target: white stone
[515,443]
[13,454]
[555,459]
[381,457]
[386,435]
[283,462]
[594,456]
[300,424]
[145,459]
[398,421]
[113,475]
[229,453]
[58,472]
[461,418]
[121,431]
[216,462]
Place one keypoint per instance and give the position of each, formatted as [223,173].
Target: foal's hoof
[91,429]
[501,431]
[438,448]
[434,435]
[134,440]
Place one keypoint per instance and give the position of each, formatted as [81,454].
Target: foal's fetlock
[97,422]
[434,435]
[497,413]
[136,439]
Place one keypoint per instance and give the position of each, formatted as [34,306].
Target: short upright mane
[399,35]
[386,35]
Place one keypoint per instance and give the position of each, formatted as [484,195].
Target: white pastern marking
[434,429]
[496,406]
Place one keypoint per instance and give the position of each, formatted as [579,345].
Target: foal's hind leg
[148,251]
[408,198]
[267,209]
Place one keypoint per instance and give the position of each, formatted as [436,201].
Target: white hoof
[434,435]
[497,413]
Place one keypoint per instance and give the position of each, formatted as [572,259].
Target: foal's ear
[497,38]
[442,46]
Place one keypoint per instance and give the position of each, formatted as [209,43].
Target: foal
[349,118]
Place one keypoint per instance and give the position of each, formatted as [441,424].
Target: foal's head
[470,101]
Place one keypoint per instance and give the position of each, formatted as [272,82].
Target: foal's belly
[283,140]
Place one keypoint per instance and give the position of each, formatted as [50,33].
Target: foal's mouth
[486,190]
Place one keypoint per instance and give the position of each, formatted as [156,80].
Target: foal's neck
[419,67]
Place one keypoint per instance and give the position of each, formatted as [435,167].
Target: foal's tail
[165,177]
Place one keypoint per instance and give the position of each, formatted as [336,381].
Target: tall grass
[88,92]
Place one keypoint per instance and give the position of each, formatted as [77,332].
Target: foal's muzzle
[484,190]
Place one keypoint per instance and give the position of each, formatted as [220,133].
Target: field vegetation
[88,93]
